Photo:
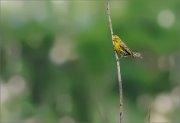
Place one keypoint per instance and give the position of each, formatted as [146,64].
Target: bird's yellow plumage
[122,50]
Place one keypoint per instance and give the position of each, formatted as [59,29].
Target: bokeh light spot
[163,103]
[16,84]
[166,18]
[66,119]
[60,52]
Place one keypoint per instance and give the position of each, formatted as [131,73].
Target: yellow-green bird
[122,50]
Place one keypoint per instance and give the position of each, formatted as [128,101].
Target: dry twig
[117,62]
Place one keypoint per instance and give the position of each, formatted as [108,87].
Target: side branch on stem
[117,63]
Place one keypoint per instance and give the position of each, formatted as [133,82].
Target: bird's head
[115,38]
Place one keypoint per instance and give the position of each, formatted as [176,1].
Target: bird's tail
[136,55]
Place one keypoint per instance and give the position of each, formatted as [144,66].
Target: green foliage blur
[57,63]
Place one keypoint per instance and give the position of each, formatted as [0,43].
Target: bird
[121,48]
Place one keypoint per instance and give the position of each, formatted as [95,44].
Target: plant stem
[117,63]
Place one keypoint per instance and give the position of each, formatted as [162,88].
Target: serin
[122,50]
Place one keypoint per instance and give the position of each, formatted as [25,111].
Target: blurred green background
[57,63]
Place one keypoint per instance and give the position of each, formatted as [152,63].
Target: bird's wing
[125,48]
